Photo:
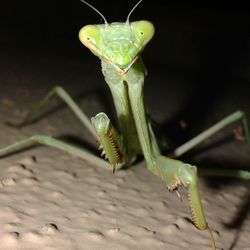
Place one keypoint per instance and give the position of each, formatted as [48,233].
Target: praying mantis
[119,46]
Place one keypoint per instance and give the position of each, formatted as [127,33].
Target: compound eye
[144,31]
[89,35]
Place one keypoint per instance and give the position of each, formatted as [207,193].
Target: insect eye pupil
[142,33]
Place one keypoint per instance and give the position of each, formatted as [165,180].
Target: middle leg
[236,116]
[52,142]
[60,92]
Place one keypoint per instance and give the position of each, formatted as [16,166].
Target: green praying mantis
[119,46]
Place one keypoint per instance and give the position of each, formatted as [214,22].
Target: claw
[178,194]
[113,170]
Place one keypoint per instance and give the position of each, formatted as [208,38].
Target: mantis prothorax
[119,46]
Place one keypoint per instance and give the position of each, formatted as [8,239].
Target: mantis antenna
[96,10]
[127,21]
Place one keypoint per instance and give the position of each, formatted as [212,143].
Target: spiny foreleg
[111,142]
[174,174]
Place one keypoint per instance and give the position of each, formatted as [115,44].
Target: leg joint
[240,114]
[42,139]
[188,175]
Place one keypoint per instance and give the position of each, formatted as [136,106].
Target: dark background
[198,62]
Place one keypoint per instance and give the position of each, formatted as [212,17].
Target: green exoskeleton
[119,46]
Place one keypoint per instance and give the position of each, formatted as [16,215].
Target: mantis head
[117,43]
